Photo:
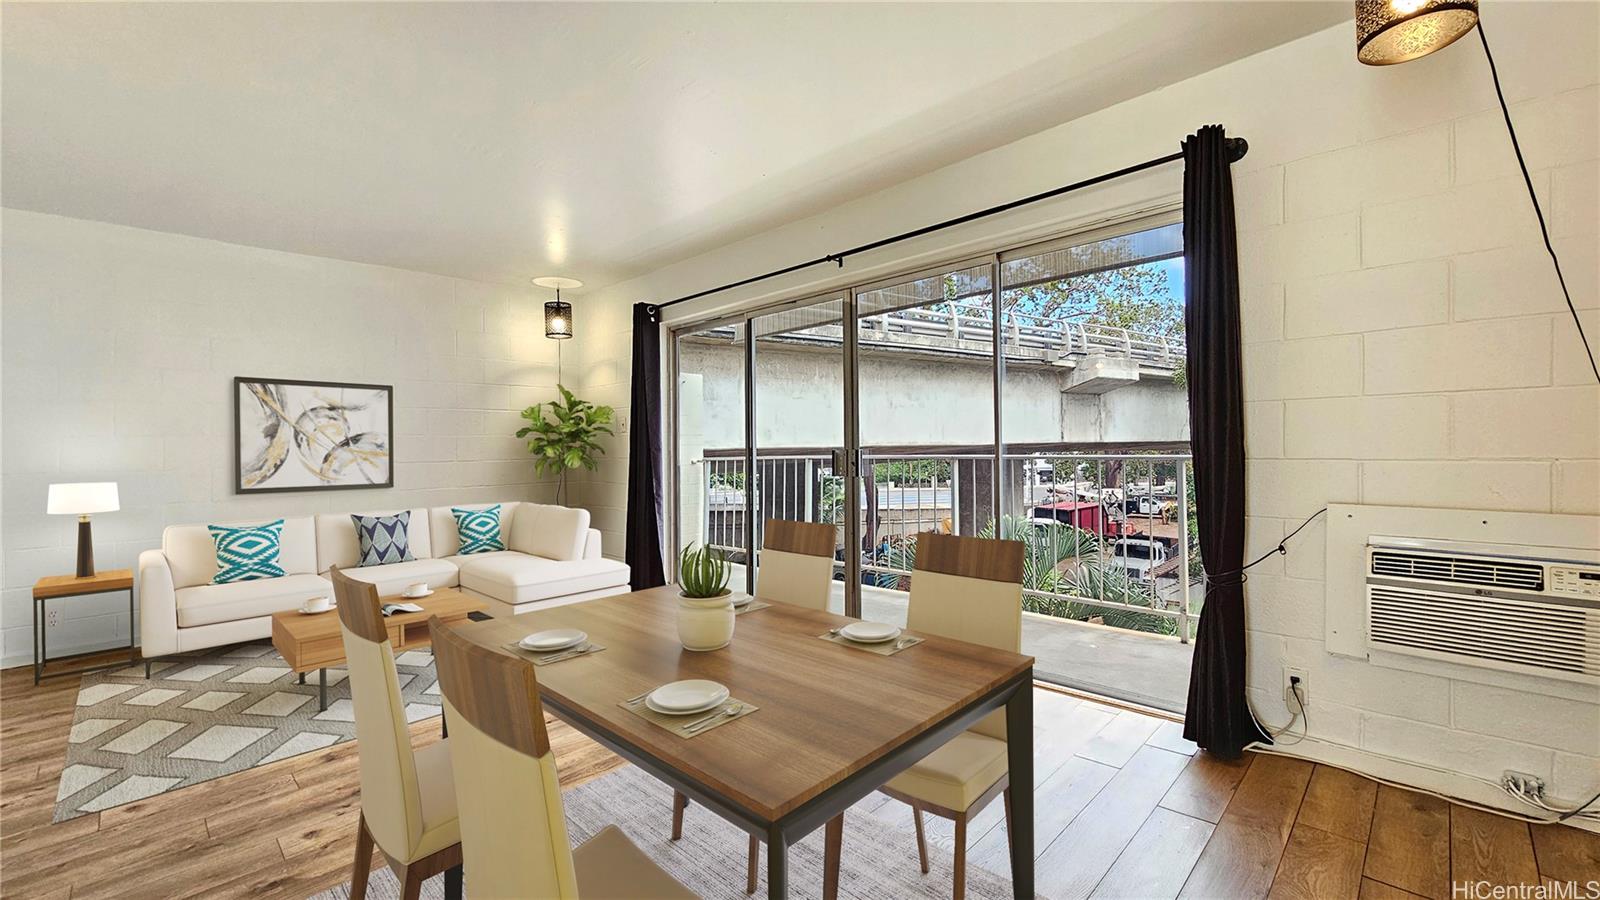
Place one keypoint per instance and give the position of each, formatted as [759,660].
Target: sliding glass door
[1034,394]
[798,417]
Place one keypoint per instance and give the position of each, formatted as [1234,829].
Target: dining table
[832,723]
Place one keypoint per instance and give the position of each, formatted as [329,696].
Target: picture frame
[297,435]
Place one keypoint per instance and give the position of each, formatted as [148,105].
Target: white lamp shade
[83,498]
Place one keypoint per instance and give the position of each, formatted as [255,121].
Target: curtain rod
[1237,147]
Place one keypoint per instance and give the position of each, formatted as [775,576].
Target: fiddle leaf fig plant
[703,573]
[568,438]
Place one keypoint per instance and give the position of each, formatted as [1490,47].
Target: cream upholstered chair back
[391,800]
[513,831]
[969,589]
[796,563]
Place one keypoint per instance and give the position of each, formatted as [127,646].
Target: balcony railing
[1108,535]
[954,326]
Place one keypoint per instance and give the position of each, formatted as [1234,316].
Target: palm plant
[568,439]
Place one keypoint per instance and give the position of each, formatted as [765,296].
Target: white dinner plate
[554,639]
[680,698]
[741,601]
[869,632]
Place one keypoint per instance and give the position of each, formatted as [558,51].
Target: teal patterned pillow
[479,529]
[247,552]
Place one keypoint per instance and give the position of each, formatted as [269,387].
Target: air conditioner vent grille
[1479,571]
[1561,641]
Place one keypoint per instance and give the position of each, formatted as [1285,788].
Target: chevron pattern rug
[208,714]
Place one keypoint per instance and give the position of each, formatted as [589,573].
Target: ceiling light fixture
[1397,31]
[557,313]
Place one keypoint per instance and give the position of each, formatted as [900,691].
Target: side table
[55,587]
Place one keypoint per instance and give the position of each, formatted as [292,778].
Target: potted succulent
[705,605]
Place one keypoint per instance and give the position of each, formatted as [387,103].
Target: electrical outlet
[1296,677]
[1522,783]
[622,423]
[52,618]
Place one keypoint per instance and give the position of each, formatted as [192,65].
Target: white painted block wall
[1406,342]
[120,349]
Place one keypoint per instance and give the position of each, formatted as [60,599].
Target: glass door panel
[710,453]
[1096,473]
[799,422]
[925,358]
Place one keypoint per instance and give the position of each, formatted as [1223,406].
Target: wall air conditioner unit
[1484,605]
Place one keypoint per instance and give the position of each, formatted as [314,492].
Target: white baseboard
[1424,778]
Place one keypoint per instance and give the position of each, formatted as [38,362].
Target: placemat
[553,656]
[676,724]
[884,648]
[752,606]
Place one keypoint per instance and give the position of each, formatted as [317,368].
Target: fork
[579,651]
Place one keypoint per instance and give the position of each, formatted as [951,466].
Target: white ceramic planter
[705,623]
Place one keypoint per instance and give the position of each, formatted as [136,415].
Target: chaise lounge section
[552,557]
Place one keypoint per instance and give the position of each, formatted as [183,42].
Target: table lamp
[82,500]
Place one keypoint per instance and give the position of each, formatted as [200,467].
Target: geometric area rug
[206,714]
[878,862]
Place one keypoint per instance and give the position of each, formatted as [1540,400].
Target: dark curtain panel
[645,483]
[1218,718]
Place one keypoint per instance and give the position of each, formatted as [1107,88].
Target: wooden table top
[70,585]
[826,710]
[443,602]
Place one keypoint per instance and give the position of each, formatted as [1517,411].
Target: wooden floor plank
[1206,786]
[1081,855]
[1157,861]
[1377,890]
[1317,865]
[1339,803]
[1242,855]
[1116,743]
[1410,843]
[1060,800]
[1490,848]
[1169,736]
[1566,854]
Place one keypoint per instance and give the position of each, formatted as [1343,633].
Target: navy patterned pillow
[384,539]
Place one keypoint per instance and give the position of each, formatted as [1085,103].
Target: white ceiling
[600,141]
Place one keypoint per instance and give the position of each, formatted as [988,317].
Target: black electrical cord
[1279,550]
[1528,180]
[1573,812]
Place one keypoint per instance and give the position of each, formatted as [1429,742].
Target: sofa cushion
[338,544]
[192,554]
[513,577]
[395,577]
[478,530]
[384,539]
[209,604]
[247,552]
[442,525]
[553,532]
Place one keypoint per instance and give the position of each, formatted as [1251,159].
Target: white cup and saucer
[416,590]
[316,605]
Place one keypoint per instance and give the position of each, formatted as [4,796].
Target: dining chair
[408,803]
[795,567]
[969,589]
[513,828]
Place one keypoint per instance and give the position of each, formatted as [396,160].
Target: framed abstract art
[311,435]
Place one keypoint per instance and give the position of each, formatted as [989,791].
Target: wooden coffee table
[309,642]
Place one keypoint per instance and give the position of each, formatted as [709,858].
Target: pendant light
[1397,31]
[557,313]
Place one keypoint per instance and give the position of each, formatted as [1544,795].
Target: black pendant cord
[1237,148]
[1281,550]
[1527,179]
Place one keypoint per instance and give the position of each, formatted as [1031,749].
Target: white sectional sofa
[552,557]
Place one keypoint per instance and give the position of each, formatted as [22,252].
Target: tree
[1138,298]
